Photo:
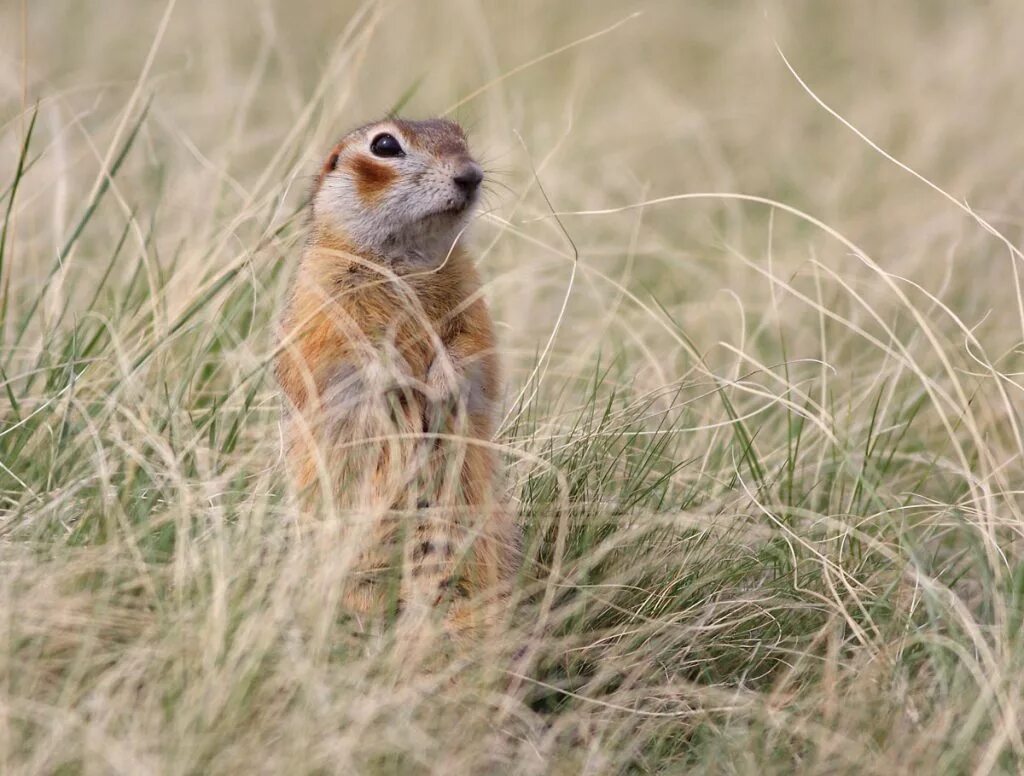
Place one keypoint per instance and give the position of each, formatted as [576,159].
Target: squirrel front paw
[445,393]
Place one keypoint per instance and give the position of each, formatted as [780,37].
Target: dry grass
[763,426]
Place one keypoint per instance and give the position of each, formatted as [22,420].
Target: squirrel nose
[469,177]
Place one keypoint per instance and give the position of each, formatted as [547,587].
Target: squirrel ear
[329,166]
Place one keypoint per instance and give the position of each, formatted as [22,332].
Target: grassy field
[762,425]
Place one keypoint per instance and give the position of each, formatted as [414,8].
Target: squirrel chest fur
[390,375]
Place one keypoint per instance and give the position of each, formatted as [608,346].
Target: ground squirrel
[390,375]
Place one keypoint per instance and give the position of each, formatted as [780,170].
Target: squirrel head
[398,190]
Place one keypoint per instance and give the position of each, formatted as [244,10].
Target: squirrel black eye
[386,145]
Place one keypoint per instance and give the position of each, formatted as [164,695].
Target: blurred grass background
[767,453]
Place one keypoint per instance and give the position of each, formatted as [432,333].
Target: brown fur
[372,178]
[328,166]
[392,382]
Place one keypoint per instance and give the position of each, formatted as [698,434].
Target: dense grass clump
[757,274]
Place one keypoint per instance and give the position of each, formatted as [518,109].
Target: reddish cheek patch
[372,178]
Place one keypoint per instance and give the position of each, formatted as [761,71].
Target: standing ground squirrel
[390,375]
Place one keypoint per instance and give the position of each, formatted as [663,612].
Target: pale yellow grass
[756,267]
